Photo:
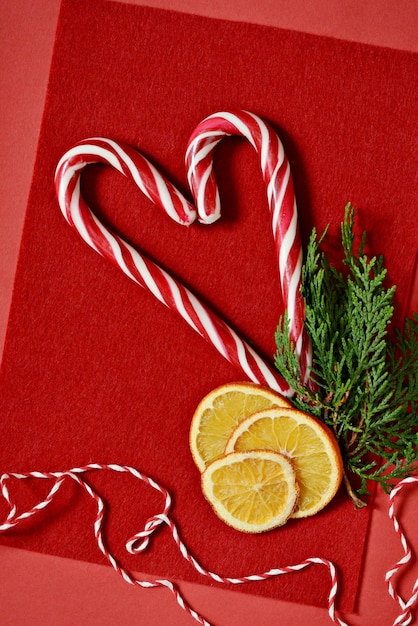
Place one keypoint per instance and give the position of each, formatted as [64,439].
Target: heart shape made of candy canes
[199,162]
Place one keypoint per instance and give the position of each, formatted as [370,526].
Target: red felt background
[94,368]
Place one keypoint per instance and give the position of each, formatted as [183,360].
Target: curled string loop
[153,524]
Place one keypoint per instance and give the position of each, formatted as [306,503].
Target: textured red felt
[94,368]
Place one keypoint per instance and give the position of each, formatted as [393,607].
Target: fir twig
[365,386]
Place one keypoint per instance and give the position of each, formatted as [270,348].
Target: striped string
[405,617]
[141,540]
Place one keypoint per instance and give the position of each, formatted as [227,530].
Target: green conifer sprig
[363,385]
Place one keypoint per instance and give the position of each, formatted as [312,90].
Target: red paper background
[71,384]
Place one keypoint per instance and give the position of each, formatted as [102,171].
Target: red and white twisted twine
[406,616]
[140,541]
[281,201]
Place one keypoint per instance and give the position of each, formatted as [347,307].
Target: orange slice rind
[251,491]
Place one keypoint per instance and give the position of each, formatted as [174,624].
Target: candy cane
[281,201]
[140,541]
[137,266]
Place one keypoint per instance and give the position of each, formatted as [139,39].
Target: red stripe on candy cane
[281,201]
[136,265]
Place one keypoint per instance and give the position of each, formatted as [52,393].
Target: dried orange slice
[218,414]
[303,439]
[251,491]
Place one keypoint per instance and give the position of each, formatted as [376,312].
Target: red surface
[389,23]
[130,193]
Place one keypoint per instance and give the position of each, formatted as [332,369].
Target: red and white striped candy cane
[137,266]
[281,201]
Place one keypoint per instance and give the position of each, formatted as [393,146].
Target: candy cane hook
[281,201]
